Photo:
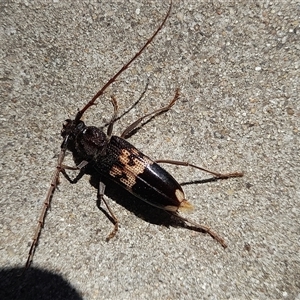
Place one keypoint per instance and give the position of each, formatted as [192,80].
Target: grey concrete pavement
[237,65]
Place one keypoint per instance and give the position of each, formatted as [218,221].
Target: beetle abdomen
[142,177]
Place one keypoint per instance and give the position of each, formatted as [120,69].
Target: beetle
[113,157]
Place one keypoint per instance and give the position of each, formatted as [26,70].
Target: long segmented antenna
[112,79]
[46,205]
[55,178]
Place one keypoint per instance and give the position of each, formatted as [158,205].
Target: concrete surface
[237,65]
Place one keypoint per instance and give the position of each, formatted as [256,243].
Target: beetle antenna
[112,79]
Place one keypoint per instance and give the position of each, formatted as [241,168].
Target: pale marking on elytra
[131,171]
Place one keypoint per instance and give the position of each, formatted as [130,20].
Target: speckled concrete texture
[237,65]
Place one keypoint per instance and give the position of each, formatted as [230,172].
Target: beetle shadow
[140,208]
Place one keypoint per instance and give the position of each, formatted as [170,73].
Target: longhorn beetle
[114,158]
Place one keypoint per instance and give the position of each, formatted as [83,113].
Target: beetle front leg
[112,217]
[153,114]
[113,118]
[80,167]
[131,107]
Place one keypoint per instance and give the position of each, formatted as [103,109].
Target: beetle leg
[76,179]
[80,167]
[113,218]
[153,114]
[186,164]
[114,117]
[131,107]
[203,228]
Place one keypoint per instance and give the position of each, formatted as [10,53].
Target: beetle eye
[66,123]
[80,125]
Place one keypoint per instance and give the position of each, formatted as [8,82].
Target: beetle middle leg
[111,216]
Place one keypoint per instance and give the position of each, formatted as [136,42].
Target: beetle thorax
[85,142]
[91,142]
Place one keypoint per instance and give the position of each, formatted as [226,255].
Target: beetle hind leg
[203,228]
[187,164]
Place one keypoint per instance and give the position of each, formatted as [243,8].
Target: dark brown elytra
[116,159]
